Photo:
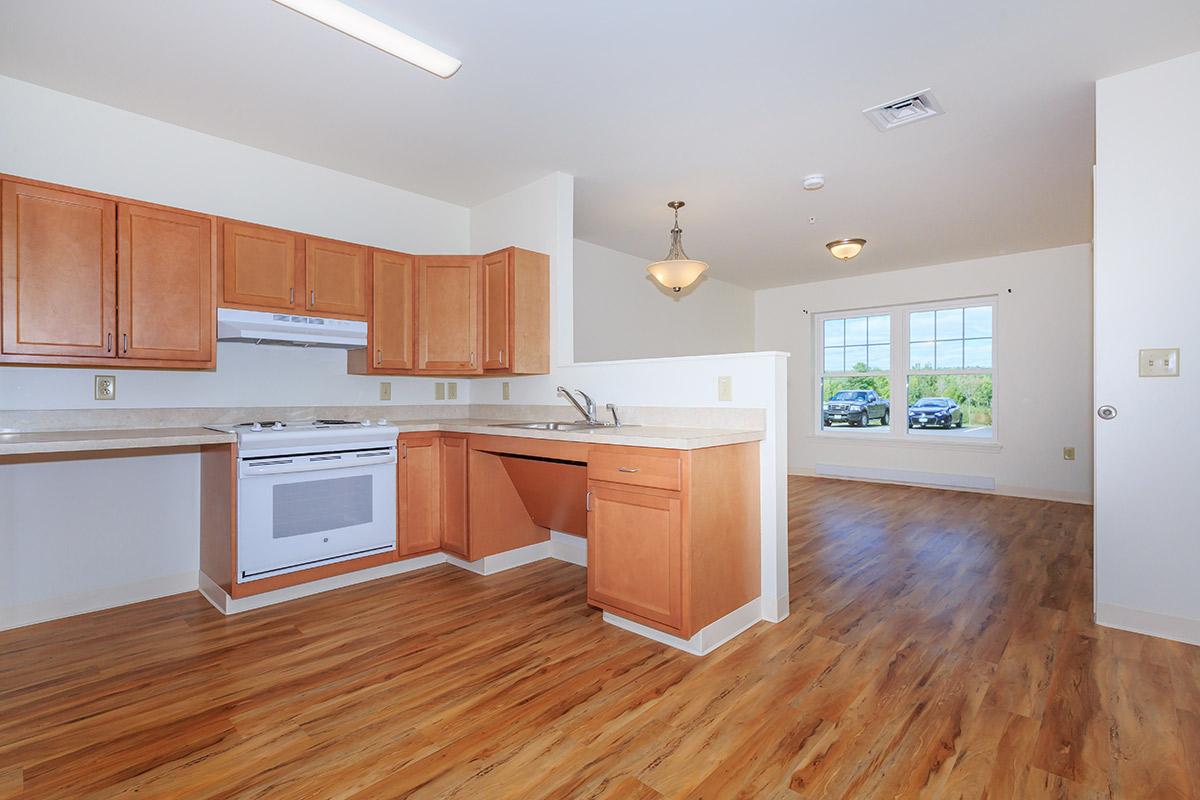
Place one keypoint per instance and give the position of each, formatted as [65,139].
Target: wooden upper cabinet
[165,276]
[393,303]
[335,277]
[59,272]
[635,553]
[454,493]
[259,267]
[516,309]
[418,494]
[496,304]
[448,314]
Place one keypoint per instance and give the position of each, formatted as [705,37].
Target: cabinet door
[392,306]
[635,553]
[258,266]
[448,331]
[164,284]
[454,494]
[336,277]
[497,303]
[418,495]
[59,272]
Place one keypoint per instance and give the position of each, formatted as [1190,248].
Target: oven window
[320,505]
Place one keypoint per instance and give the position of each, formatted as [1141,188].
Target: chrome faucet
[589,413]
[613,410]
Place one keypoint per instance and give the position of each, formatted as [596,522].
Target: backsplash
[25,421]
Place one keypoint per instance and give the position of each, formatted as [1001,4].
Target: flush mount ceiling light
[846,249]
[369,30]
[814,182]
[676,271]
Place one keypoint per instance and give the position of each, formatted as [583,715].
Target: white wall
[621,312]
[1147,208]
[1043,369]
[540,217]
[56,137]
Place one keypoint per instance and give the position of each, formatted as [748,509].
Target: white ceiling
[723,104]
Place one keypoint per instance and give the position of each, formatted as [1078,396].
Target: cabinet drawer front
[635,469]
[635,554]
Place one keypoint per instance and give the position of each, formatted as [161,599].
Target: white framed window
[911,372]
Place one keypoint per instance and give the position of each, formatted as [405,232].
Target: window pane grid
[944,372]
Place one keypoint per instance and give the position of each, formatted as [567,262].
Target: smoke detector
[903,110]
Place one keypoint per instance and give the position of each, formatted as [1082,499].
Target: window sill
[891,441]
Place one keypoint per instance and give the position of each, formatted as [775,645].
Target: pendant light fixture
[846,249]
[676,270]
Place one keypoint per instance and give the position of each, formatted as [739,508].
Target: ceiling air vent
[912,108]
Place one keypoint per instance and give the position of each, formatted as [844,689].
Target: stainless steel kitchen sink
[550,426]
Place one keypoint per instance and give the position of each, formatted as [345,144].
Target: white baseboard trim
[776,609]
[70,605]
[707,639]
[980,482]
[228,605]
[1164,626]
[568,547]
[490,565]
[1079,498]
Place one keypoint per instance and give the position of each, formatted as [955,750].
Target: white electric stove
[313,492]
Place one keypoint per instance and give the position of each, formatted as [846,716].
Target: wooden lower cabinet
[673,559]
[418,492]
[634,552]
[454,493]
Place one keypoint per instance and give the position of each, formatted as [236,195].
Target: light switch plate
[452,390]
[1159,363]
[106,387]
[504,391]
[385,390]
[439,391]
[725,389]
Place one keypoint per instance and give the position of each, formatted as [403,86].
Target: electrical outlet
[439,391]
[1161,363]
[452,390]
[725,389]
[504,391]
[385,390]
[1069,453]
[106,387]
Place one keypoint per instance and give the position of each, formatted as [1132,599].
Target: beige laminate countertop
[79,441]
[13,444]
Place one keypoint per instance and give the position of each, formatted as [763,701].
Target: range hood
[266,327]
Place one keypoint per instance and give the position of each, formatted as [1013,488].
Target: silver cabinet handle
[501,356]
[587,502]
[312,297]
[404,447]
[472,358]
[109,347]
[125,342]
[628,469]
[379,356]
[292,295]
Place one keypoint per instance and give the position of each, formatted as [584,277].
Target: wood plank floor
[939,645]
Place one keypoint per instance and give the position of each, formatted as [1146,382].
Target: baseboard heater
[940,479]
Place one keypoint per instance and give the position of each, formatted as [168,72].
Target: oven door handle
[288,464]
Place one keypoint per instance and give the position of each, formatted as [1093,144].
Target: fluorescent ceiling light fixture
[369,30]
